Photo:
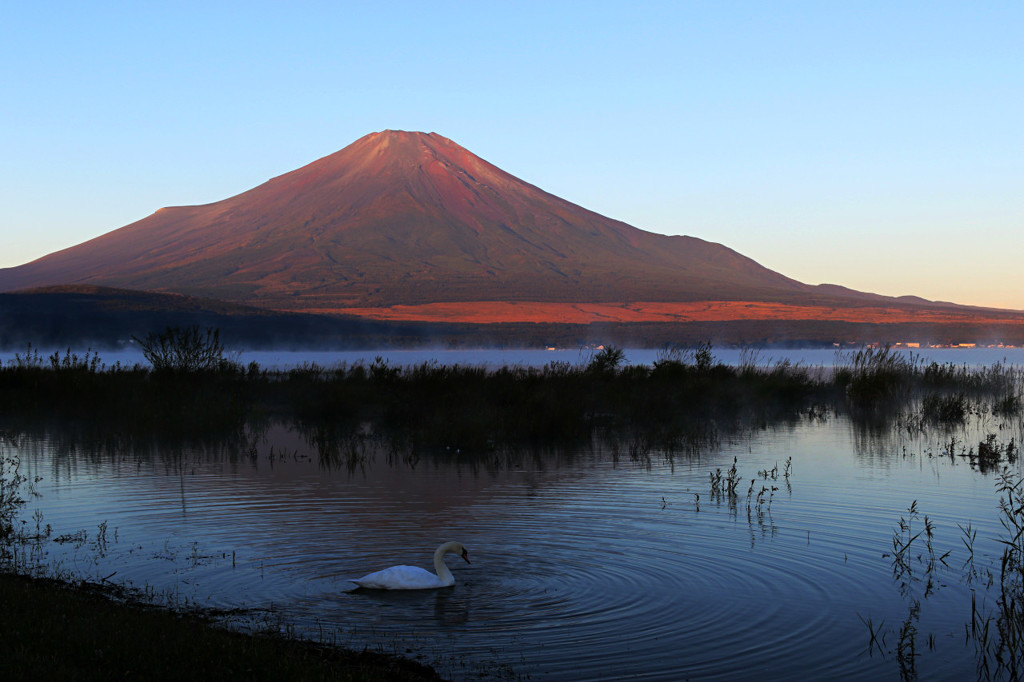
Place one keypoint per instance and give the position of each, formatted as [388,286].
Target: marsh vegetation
[192,388]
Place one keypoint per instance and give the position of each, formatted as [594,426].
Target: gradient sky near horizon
[876,145]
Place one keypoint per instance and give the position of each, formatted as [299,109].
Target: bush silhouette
[184,349]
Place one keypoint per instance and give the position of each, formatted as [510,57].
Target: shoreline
[91,631]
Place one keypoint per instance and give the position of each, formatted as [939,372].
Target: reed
[876,635]
[903,539]
[11,503]
[874,377]
[906,647]
[725,485]
[999,635]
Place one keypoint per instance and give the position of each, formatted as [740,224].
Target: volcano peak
[402,218]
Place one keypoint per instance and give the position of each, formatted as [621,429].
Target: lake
[597,563]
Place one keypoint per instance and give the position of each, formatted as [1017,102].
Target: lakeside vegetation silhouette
[194,391]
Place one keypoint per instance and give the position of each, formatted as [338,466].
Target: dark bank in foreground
[77,631]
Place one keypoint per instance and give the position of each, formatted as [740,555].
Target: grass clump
[876,377]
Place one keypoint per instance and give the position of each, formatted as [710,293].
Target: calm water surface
[586,565]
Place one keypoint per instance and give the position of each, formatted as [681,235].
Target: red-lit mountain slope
[411,219]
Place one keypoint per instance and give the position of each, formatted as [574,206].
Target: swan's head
[457,548]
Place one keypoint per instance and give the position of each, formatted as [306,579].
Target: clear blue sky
[877,145]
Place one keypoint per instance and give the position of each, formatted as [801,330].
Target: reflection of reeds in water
[683,402]
[997,634]
[758,505]
[904,548]
[1003,648]
[880,384]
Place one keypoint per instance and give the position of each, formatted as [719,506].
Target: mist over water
[492,357]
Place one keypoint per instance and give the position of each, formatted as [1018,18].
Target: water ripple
[595,570]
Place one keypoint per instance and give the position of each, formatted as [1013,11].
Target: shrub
[607,360]
[185,350]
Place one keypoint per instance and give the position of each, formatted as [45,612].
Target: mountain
[401,218]
[408,225]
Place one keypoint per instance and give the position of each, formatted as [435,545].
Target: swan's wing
[400,578]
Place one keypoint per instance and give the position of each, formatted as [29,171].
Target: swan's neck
[440,568]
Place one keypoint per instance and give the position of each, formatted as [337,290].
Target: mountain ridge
[420,202]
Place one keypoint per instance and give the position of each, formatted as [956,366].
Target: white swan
[413,577]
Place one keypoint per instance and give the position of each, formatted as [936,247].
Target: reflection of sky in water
[584,566]
[538,358]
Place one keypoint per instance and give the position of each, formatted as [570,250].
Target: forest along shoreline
[191,393]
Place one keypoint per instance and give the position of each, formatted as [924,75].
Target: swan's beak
[465,555]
